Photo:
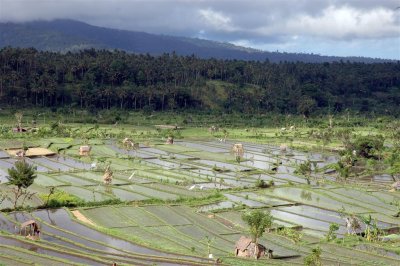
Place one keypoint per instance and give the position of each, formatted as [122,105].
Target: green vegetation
[94,80]
[258,222]
[314,259]
[333,227]
[22,176]
[193,198]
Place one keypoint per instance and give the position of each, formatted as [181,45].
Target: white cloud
[347,22]
[338,23]
[217,20]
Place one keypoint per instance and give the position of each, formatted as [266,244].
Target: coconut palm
[367,220]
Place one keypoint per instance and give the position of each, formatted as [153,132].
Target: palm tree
[314,259]
[367,220]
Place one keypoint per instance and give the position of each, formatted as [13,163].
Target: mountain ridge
[64,35]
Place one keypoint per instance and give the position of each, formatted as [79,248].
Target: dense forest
[104,79]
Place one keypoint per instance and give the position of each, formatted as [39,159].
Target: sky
[368,28]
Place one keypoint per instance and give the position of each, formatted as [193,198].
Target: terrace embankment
[78,215]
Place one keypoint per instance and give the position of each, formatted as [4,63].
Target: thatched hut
[84,150]
[30,229]
[245,247]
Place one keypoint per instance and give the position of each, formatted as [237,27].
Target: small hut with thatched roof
[30,229]
[245,247]
[85,150]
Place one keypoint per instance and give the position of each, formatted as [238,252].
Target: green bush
[367,146]
[62,199]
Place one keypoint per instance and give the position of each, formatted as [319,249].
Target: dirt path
[82,218]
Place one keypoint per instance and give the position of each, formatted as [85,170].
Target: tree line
[102,79]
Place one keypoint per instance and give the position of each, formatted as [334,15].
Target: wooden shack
[245,247]
[84,150]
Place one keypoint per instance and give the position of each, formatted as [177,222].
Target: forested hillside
[103,79]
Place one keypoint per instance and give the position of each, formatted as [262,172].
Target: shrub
[63,199]
[366,146]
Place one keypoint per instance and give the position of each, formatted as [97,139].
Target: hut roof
[25,224]
[243,243]
[84,148]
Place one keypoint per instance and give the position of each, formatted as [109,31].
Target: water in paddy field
[217,206]
[242,200]
[70,162]
[51,164]
[61,219]
[58,222]
[4,154]
[3,176]
[38,249]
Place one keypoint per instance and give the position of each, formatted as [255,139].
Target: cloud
[217,20]
[267,22]
[347,22]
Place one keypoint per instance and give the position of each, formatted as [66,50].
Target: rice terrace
[201,132]
[178,194]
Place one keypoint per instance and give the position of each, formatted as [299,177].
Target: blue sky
[328,27]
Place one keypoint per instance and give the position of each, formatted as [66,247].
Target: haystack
[238,149]
[84,150]
[283,148]
[108,176]
[129,144]
[396,185]
[170,140]
[352,224]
